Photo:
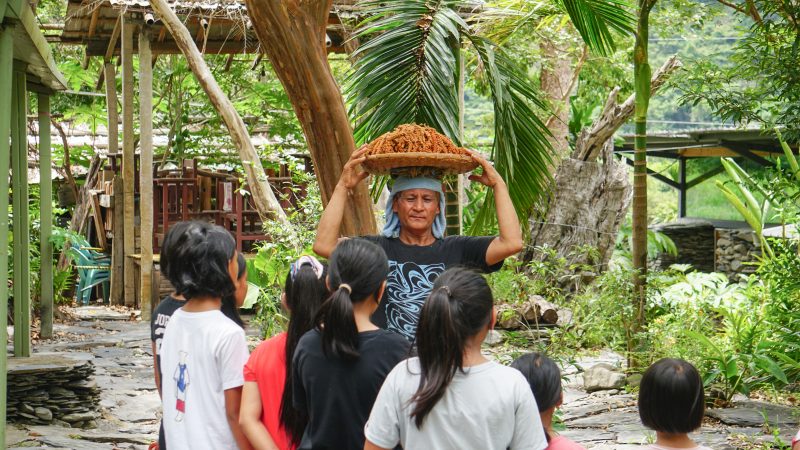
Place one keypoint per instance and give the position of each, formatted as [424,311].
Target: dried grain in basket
[411,147]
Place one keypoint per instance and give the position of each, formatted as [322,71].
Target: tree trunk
[292,33]
[589,199]
[557,82]
[263,198]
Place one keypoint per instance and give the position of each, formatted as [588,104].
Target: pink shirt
[267,367]
[562,443]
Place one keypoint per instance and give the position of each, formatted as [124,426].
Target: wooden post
[117,256]
[681,187]
[118,246]
[6,75]
[19,163]
[46,227]
[146,172]
[128,171]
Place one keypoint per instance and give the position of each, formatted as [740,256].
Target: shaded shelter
[26,66]
[751,144]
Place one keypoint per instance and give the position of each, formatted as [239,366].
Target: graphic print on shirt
[407,287]
[181,377]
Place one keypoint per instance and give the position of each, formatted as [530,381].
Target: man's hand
[490,177]
[352,172]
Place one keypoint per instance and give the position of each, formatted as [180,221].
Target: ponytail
[339,333]
[305,291]
[458,308]
[357,271]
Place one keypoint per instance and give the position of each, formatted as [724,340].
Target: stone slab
[752,414]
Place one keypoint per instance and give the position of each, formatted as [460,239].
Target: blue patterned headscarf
[392,227]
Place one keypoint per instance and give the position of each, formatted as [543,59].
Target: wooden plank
[111,107]
[222,47]
[99,226]
[6,63]
[713,152]
[146,172]
[117,247]
[22,261]
[112,43]
[128,170]
[745,150]
[46,227]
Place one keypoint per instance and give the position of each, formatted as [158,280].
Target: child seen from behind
[672,403]
[451,396]
[339,366]
[544,378]
[268,416]
[203,351]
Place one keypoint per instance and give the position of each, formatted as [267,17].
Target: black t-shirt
[159,321]
[414,268]
[338,395]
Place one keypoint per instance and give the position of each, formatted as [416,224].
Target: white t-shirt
[490,407]
[202,355]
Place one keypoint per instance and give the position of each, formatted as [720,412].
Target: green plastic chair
[94,268]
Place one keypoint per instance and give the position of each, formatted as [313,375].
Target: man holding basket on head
[413,237]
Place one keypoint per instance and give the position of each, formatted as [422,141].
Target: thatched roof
[219,27]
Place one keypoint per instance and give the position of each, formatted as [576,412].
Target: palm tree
[410,66]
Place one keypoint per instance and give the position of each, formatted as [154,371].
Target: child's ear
[494,318]
[283,302]
[560,400]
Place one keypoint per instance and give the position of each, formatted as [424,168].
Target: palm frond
[521,151]
[408,70]
[596,19]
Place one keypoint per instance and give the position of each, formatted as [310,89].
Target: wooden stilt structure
[146,172]
[46,218]
[128,161]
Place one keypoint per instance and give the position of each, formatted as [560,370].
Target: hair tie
[447,289]
[346,287]
[307,260]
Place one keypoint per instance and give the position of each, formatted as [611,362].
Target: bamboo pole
[146,172]
[6,75]
[128,172]
[263,197]
[19,178]
[46,218]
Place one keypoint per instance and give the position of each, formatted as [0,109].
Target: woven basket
[412,162]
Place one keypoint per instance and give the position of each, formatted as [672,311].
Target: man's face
[416,209]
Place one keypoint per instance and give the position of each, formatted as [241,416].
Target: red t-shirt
[267,367]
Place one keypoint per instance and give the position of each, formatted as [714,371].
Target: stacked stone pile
[45,389]
[694,239]
[734,249]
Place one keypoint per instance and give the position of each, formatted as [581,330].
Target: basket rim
[449,162]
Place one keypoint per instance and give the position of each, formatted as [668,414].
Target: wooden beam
[112,43]
[744,150]
[111,107]
[215,47]
[46,218]
[97,215]
[22,261]
[701,178]
[6,84]
[146,172]
[128,172]
[682,187]
[668,181]
[93,20]
[228,63]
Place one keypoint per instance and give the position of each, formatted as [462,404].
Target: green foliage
[267,270]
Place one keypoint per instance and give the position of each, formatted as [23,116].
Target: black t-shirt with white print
[414,268]
[160,319]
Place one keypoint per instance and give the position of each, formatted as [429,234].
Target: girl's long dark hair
[459,307]
[304,292]
[544,377]
[363,266]
[229,307]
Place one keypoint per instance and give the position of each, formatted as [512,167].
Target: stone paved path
[120,351]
